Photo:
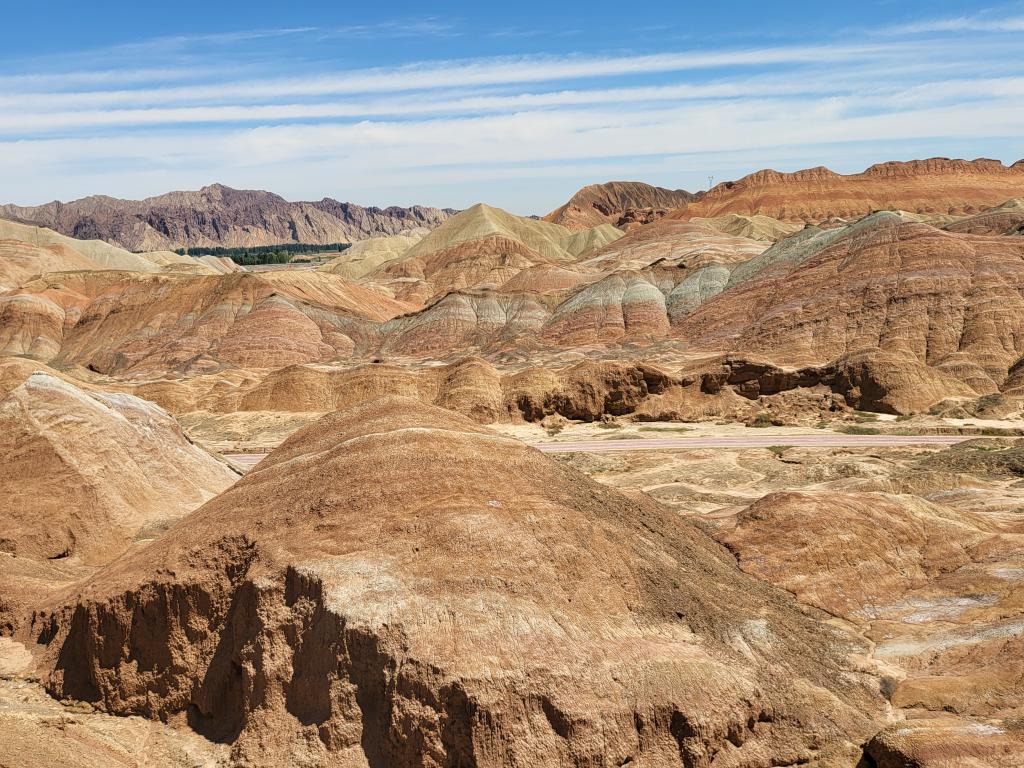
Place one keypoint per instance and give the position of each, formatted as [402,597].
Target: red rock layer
[938,185]
[615,202]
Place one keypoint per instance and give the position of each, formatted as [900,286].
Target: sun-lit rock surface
[935,588]
[122,322]
[754,227]
[21,261]
[1005,219]
[84,472]
[26,251]
[947,301]
[366,256]
[485,248]
[443,627]
[791,576]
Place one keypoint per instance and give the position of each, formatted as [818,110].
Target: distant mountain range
[221,216]
[937,186]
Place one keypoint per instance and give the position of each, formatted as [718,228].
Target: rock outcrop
[220,216]
[1005,219]
[679,244]
[619,203]
[935,589]
[587,391]
[468,602]
[20,262]
[942,742]
[753,227]
[486,248]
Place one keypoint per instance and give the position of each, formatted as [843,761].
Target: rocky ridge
[217,215]
[934,186]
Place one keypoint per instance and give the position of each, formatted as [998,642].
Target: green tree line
[262,254]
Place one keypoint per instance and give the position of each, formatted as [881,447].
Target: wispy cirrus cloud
[392,29]
[987,23]
[889,95]
[503,71]
[308,126]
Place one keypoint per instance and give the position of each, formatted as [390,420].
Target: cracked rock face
[476,603]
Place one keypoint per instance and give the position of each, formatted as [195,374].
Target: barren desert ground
[351,417]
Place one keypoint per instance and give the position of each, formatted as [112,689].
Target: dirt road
[828,440]
[797,441]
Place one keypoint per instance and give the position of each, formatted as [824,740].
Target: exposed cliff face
[619,203]
[936,186]
[84,474]
[472,602]
[220,216]
[587,391]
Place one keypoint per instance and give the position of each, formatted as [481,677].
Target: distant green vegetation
[263,254]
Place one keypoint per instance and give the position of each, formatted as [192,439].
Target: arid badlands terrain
[730,479]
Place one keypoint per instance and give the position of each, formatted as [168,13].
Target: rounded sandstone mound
[85,473]
[398,586]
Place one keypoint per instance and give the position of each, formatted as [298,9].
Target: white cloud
[961,24]
[315,132]
[485,72]
[528,137]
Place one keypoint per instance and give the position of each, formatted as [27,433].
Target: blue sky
[514,104]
